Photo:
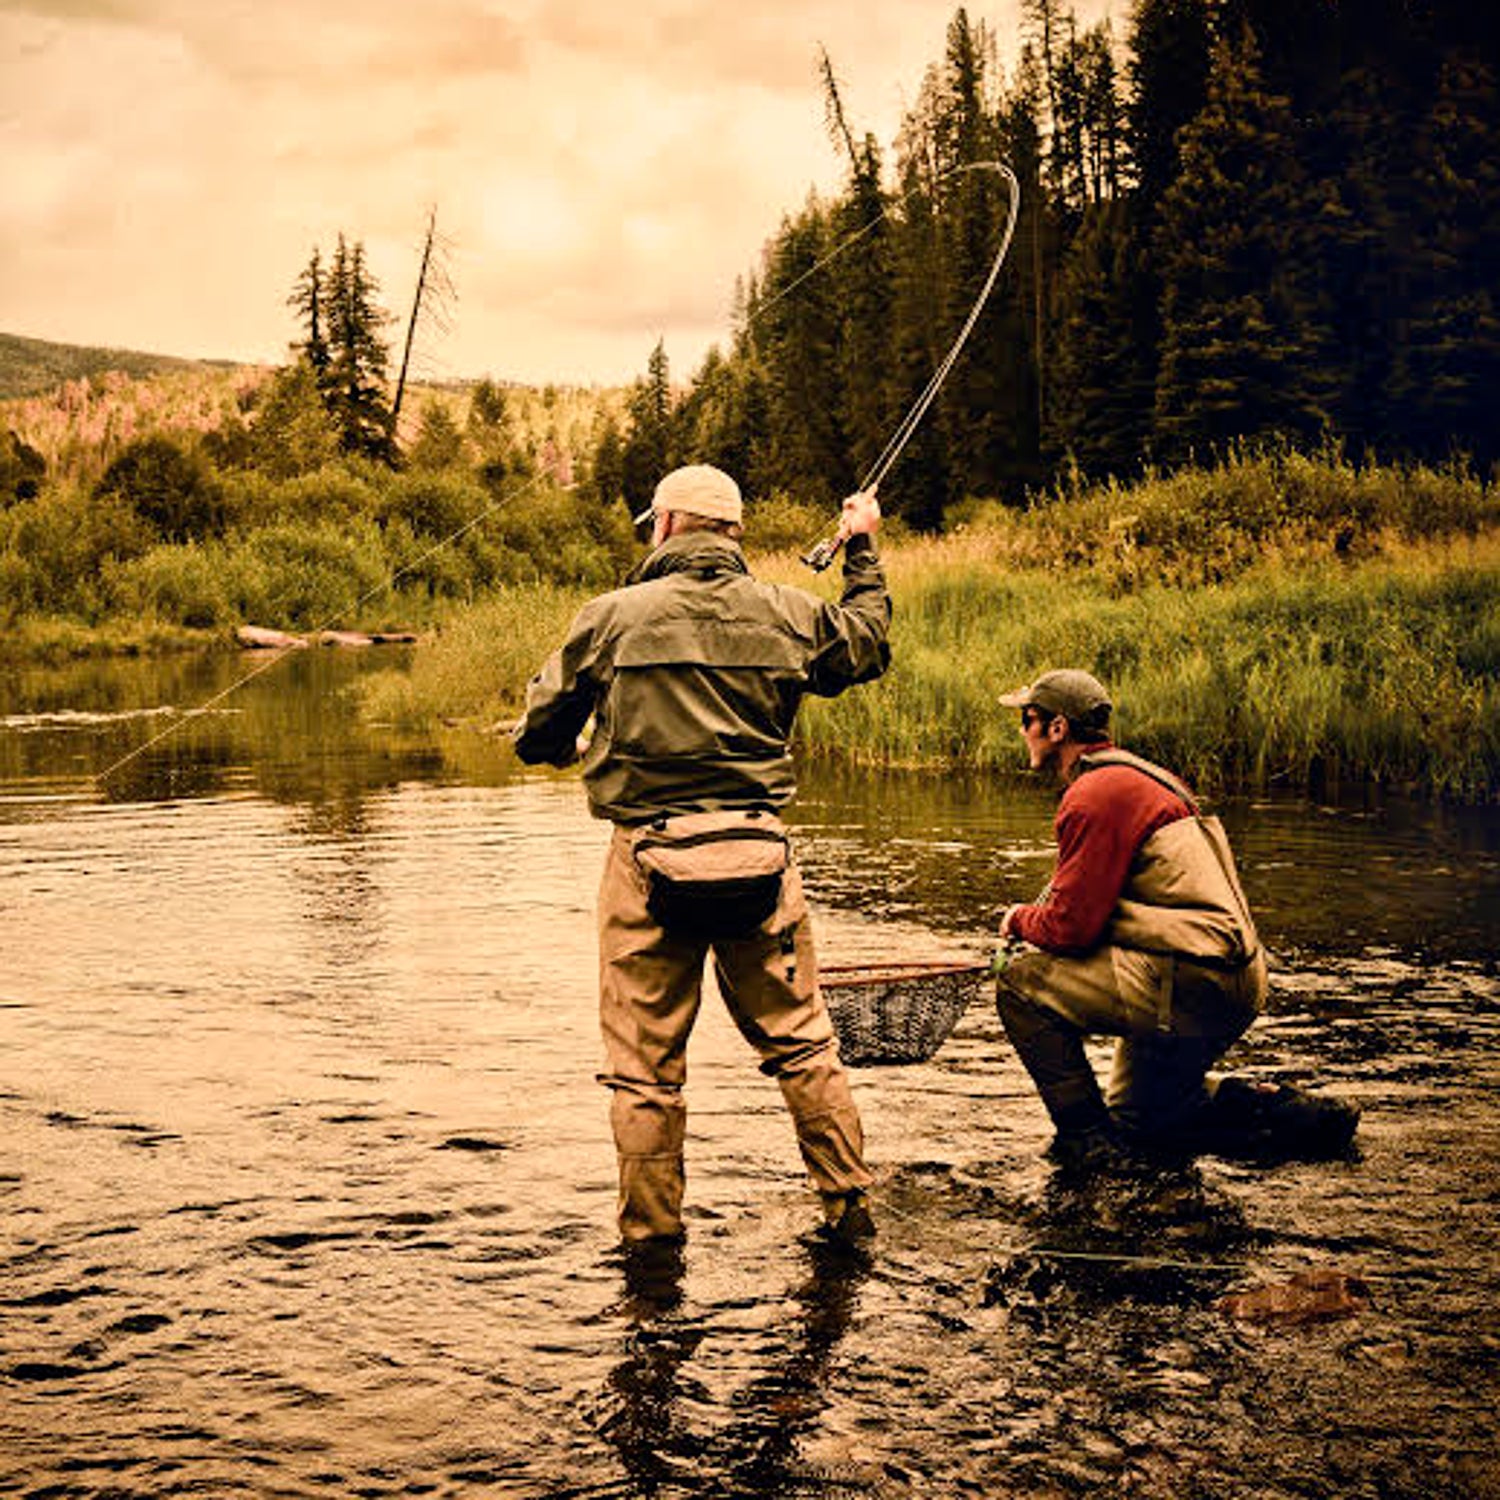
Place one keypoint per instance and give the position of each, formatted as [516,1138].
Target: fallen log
[357,638]
[258,638]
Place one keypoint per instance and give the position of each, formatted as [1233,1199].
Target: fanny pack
[713,875]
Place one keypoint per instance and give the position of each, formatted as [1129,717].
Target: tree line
[1249,220]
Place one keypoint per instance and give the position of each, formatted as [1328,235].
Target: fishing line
[276,655]
[818,557]
[822,553]
[1017,1250]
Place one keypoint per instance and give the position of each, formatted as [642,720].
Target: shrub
[345,491]
[433,504]
[778,523]
[169,485]
[302,575]
[60,540]
[184,583]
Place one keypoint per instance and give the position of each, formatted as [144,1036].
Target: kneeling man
[1143,933]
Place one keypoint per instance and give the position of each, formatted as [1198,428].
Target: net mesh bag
[897,1012]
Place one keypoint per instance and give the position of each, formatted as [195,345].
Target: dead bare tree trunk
[433,296]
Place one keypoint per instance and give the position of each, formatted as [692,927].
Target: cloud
[605,172]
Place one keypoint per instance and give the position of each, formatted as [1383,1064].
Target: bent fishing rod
[822,553]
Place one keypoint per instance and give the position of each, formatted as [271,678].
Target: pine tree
[1444,383]
[358,356]
[607,475]
[292,433]
[795,337]
[985,416]
[863,290]
[1168,72]
[1042,22]
[1170,44]
[1241,348]
[921,485]
[1102,372]
[440,442]
[308,301]
[711,424]
[487,409]
[648,450]
[1103,115]
[976,406]
[1034,253]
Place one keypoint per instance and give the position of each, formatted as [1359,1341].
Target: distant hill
[29,367]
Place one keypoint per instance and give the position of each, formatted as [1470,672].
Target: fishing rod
[822,553]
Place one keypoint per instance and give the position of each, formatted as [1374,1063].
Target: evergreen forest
[1244,221]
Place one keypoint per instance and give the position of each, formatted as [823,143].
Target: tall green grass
[1279,621]
[475,665]
[1386,670]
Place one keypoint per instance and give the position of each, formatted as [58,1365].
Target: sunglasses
[1039,716]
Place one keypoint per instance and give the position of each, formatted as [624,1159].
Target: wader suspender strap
[1093,762]
[1163,777]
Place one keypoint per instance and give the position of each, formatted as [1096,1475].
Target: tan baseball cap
[1067,691]
[697,490]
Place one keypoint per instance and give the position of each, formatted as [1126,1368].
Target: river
[308,1188]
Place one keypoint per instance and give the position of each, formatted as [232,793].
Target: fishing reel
[821,554]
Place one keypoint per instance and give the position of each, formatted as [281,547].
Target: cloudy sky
[603,170]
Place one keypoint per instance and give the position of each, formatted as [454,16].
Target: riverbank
[1279,621]
[1275,621]
[50,639]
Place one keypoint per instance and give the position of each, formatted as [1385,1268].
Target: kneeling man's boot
[1271,1119]
[1092,1149]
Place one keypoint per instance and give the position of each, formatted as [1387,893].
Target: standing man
[693,673]
[1143,933]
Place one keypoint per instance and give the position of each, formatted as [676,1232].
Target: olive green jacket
[694,672]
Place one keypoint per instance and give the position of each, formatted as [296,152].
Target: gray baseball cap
[1067,691]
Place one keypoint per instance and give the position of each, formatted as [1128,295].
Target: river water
[307,1186]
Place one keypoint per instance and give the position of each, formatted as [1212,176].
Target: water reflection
[643,1419]
[196,726]
[660,1414]
[945,852]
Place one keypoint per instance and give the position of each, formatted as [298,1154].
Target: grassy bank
[1386,670]
[1277,621]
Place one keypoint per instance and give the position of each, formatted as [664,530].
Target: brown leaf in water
[1317,1296]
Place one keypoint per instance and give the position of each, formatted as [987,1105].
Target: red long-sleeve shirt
[1103,819]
